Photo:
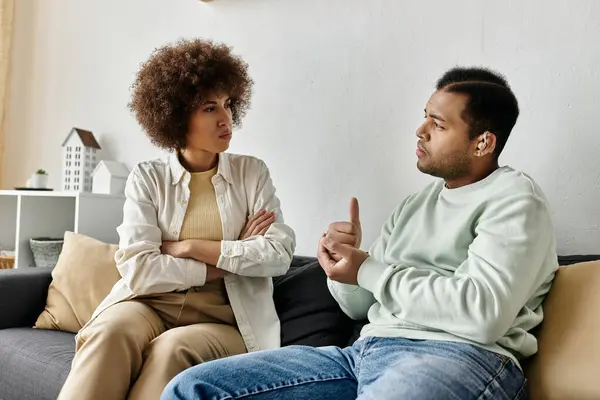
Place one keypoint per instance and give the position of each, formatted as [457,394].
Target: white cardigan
[157,194]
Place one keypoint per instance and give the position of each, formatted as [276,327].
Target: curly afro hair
[175,80]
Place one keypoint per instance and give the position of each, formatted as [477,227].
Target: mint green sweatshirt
[470,264]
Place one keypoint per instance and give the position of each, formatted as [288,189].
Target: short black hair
[491,105]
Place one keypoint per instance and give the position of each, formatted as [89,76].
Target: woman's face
[210,125]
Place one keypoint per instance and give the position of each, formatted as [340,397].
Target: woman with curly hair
[201,237]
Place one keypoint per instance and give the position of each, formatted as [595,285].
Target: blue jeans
[373,368]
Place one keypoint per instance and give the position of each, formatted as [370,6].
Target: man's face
[444,148]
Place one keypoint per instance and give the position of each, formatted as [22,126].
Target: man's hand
[258,224]
[344,270]
[347,232]
[179,249]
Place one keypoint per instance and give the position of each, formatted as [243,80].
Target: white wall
[340,89]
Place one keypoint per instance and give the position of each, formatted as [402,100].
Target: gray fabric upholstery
[34,363]
[23,294]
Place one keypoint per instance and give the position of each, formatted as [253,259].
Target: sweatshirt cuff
[370,272]
[196,272]
[342,288]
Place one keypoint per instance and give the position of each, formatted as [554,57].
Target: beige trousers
[134,348]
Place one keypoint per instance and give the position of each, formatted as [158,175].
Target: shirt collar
[177,170]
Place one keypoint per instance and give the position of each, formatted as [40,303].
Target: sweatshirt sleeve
[482,299]
[355,300]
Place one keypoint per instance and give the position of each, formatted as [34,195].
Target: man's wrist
[370,272]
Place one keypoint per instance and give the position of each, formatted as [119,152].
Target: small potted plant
[39,180]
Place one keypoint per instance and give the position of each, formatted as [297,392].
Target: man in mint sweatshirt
[452,287]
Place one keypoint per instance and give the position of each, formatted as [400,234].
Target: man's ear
[486,144]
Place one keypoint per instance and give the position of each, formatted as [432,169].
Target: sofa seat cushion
[34,363]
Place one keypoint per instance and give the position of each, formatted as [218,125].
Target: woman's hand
[180,249]
[258,224]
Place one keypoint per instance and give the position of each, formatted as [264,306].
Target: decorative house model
[109,177]
[79,160]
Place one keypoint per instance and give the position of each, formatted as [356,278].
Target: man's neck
[473,177]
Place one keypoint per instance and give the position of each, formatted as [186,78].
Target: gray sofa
[34,363]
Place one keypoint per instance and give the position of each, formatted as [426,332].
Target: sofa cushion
[34,363]
[569,349]
[308,313]
[84,275]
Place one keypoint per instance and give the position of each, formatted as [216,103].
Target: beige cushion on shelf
[84,275]
[568,360]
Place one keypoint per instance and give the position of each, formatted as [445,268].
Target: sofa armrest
[577,258]
[23,293]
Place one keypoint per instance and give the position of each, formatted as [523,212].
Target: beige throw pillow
[567,362]
[82,278]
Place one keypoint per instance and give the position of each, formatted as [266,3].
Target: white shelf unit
[26,214]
